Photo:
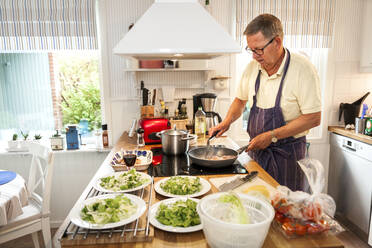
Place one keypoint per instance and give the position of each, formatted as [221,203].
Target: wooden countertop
[351,134]
[196,239]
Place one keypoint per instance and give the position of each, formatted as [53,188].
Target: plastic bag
[299,213]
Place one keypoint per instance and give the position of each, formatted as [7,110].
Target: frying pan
[198,156]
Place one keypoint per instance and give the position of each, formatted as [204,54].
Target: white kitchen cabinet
[366,44]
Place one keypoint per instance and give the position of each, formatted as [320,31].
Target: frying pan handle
[242,149]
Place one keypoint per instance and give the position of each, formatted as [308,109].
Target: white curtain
[306,23]
[47,25]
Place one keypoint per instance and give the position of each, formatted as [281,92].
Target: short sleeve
[309,90]
[242,90]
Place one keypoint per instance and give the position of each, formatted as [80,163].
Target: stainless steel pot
[175,142]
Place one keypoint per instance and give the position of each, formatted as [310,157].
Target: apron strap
[256,87]
[286,65]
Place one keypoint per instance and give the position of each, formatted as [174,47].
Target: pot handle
[189,137]
[158,134]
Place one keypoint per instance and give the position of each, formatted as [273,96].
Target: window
[41,92]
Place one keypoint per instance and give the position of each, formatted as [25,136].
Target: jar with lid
[140,139]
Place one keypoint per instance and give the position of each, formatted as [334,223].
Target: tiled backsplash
[349,86]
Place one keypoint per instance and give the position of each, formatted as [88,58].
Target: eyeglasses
[259,51]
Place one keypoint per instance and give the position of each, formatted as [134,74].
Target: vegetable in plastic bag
[299,213]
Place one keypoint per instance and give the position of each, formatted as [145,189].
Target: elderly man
[283,92]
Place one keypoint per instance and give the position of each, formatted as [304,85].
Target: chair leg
[35,239]
[45,228]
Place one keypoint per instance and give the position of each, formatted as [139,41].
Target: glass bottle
[200,123]
[105,141]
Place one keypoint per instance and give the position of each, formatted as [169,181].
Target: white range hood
[176,29]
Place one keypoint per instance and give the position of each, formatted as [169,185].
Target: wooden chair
[35,215]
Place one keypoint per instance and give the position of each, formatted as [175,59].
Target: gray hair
[269,25]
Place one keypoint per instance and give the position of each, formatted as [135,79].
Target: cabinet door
[366,46]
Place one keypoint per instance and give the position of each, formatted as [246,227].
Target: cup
[360,125]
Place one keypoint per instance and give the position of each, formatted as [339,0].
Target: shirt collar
[281,68]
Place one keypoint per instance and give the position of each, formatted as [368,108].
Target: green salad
[182,185]
[109,210]
[127,180]
[178,214]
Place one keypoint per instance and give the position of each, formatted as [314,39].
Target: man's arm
[235,111]
[296,126]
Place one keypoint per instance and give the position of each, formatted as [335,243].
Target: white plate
[98,187]
[157,224]
[205,188]
[77,220]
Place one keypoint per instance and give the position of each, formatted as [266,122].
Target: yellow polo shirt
[301,89]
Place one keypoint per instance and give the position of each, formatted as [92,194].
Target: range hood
[176,29]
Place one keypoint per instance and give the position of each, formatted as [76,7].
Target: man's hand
[220,129]
[260,142]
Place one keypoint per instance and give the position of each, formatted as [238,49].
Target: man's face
[270,52]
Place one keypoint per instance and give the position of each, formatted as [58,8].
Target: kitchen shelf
[166,69]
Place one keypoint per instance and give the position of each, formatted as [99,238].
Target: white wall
[349,83]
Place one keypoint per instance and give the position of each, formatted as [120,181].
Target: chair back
[40,177]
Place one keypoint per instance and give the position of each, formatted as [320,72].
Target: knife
[237,182]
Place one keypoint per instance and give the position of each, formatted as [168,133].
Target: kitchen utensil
[360,125]
[147,112]
[145,96]
[208,103]
[351,110]
[151,64]
[132,128]
[153,97]
[209,150]
[175,142]
[153,126]
[219,233]
[197,156]
[237,182]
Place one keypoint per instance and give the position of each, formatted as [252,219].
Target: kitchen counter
[196,239]
[351,134]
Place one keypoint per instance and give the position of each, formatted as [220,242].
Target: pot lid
[174,132]
[176,29]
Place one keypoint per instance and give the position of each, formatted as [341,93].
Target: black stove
[165,165]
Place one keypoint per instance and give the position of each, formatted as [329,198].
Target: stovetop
[165,166]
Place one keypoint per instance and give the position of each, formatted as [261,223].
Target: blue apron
[278,159]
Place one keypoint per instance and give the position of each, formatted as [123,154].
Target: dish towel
[6,176]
